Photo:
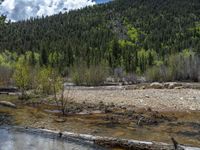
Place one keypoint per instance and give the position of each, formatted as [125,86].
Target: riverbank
[112,119]
[157,96]
[157,99]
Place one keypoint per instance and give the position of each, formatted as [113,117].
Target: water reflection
[10,140]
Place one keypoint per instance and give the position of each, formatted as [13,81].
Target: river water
[12,140]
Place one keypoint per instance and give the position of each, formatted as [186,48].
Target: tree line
[132,35]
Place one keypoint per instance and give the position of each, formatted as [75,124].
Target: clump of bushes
[184,66]
[5,76]
[93,75]
[158,73]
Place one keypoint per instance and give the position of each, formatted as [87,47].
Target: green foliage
[2,20]
[26,72]
[133,33]
[120,33]
[42,79]
[8,59]
[47,79]
[11,61]
[146,59]
[196,29]
[22,78]
[32,58]
[125,43]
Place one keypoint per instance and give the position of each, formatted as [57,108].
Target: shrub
[119,74]
[90,76]
[22,78]
[5,76]
[178,67]
[48,80]
[158,73]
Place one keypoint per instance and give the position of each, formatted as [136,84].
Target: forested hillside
[132,34]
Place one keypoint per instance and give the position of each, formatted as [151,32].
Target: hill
[132,34]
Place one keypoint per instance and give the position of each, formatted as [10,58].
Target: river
[12,140]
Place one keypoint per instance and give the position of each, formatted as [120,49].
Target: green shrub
[22,78]
[46,79]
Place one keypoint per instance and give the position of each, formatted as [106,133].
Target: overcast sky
[23,9]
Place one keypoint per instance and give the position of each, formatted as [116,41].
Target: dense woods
[134,35]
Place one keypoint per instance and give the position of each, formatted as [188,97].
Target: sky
[102,1]
[16,10]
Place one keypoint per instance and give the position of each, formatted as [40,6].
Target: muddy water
[182,126]
[145,125]
[12,140]
[185,128]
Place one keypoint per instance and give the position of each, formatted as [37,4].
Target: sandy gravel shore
[158,99]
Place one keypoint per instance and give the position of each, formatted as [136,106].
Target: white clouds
[23,9]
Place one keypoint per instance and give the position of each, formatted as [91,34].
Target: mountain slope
[116,32]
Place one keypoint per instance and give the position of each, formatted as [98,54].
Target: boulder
[7,104]
[173,85]
[156,85]
[142,87]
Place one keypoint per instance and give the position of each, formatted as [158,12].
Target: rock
[110,79]
[142,88]
[141,80]
[141,100]
[7,104]
[96,112]
[85,112]
[156,85]
[179,87]
[173,85]
[126,83]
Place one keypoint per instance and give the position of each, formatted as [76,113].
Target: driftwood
[105,141]
[8,90]
[7,104]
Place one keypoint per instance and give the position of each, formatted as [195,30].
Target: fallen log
[7,104]
[8,90]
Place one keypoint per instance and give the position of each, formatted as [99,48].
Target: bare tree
[65,96]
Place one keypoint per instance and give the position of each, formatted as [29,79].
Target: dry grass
[27,115]
[10,98]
